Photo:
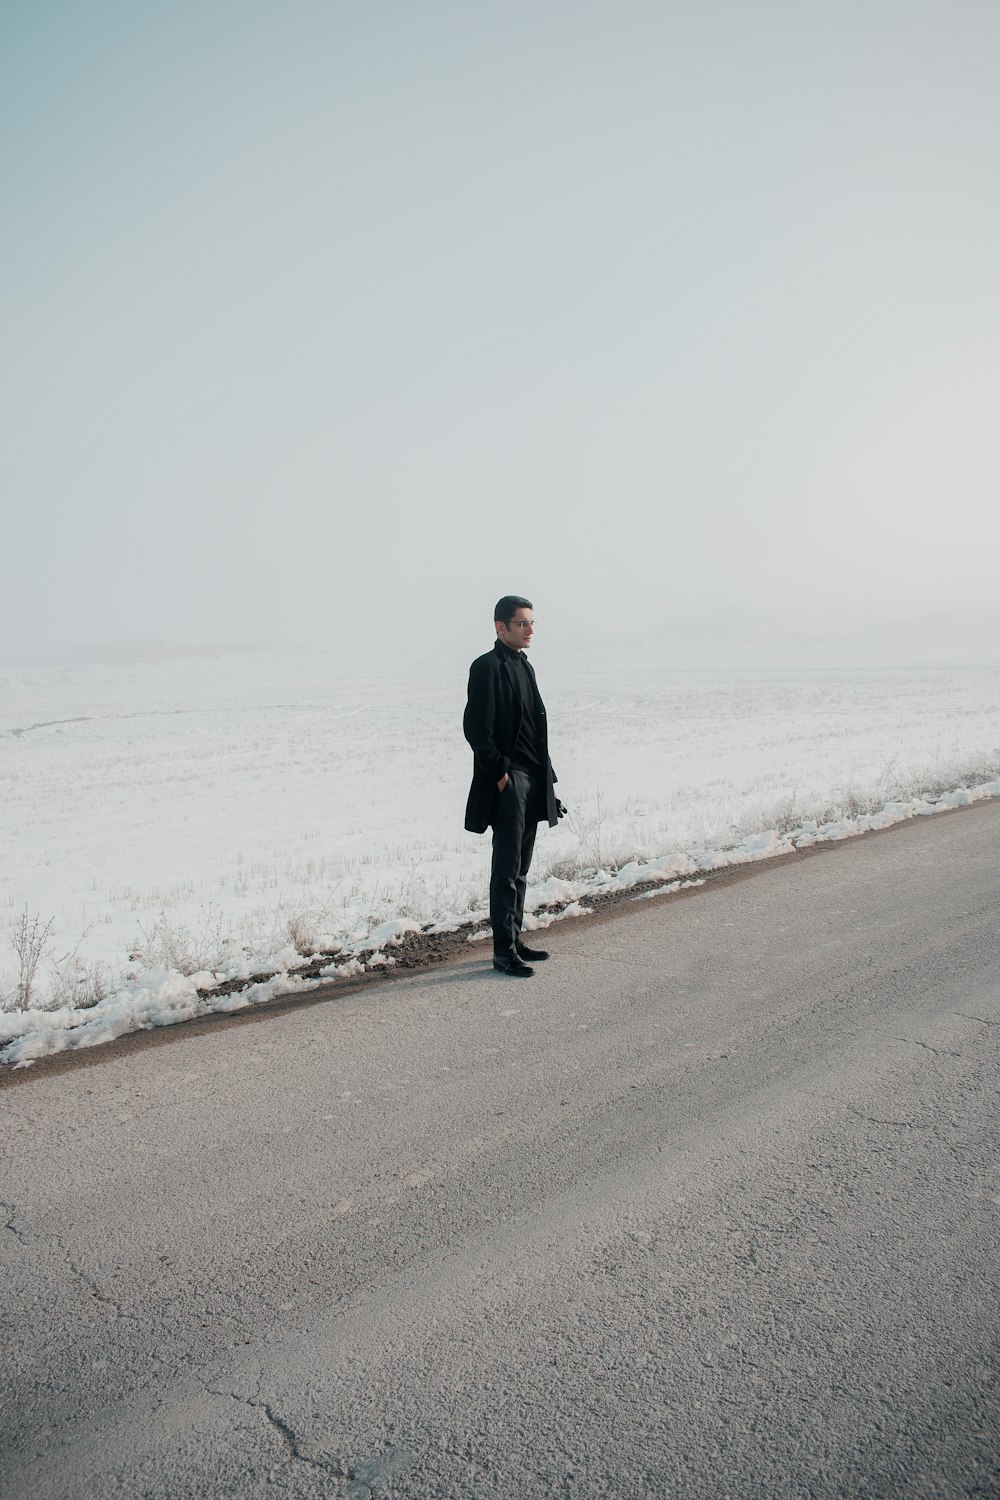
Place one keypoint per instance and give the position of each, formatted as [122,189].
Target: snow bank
[387,932]
[892,812]
[229,841]
[164,997]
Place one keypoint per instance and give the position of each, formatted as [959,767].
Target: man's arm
[479,723]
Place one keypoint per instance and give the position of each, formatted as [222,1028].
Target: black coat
[492,718]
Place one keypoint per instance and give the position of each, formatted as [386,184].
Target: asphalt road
[707,1208]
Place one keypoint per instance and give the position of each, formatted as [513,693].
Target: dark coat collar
[509,655]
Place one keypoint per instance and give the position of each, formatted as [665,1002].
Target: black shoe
[510,963]
[531,955]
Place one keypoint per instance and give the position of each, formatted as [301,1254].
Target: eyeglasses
[521,625]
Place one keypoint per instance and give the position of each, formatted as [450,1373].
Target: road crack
[287,1434]
[291,1441]
[983,1021]
[938,1051]
[11,1209]
[76,1270]
[874,1120]
[362,1479]
[91,1283]
[95,1291]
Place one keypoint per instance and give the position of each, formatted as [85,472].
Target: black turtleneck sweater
[526,754]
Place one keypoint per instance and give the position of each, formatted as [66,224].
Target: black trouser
[519,807]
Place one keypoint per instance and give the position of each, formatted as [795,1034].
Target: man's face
[517,635]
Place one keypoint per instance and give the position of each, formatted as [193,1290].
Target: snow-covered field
[214,816]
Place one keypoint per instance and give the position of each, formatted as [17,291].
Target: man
[513,781]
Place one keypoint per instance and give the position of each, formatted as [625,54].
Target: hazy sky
[336,320]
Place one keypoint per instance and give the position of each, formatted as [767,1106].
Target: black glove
[561,809]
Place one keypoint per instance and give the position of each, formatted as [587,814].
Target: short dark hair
[508,606]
